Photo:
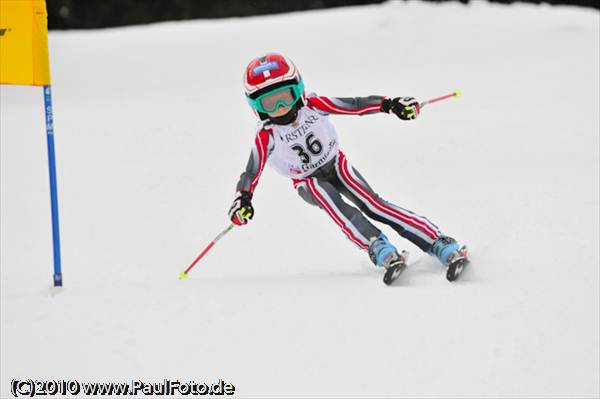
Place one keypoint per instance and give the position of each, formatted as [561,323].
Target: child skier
[297,139]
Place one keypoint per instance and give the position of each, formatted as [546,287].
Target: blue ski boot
[452,255]
[384,254]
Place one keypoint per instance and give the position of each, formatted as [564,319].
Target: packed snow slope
[152,132]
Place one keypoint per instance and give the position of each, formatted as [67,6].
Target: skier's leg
[353,223]
[418,229]
[323,194]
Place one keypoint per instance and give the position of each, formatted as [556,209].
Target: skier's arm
[347,105]
[404,107]
[241,210]
[256,163]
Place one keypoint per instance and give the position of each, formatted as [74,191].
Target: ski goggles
[284,96]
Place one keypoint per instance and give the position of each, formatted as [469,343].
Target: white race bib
[302,147]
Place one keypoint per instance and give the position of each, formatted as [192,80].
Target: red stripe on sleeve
[325,104]
[261,142]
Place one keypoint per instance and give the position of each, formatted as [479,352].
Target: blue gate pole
[53,190]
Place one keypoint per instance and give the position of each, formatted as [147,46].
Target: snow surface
[152,132]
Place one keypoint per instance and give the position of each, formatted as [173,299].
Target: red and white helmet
[267,73]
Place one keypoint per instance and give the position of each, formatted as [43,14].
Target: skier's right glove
[241,210]
[405,108]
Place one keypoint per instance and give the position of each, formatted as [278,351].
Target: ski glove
[405,108]
[241,210]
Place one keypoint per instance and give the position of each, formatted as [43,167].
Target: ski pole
[456,94]
[184,274]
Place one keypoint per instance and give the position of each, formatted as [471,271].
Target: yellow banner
[24,43]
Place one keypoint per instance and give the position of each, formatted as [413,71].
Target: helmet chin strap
[289,117]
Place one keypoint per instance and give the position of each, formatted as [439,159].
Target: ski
[396,269]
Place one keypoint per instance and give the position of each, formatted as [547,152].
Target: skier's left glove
[241,210]
[405,108]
